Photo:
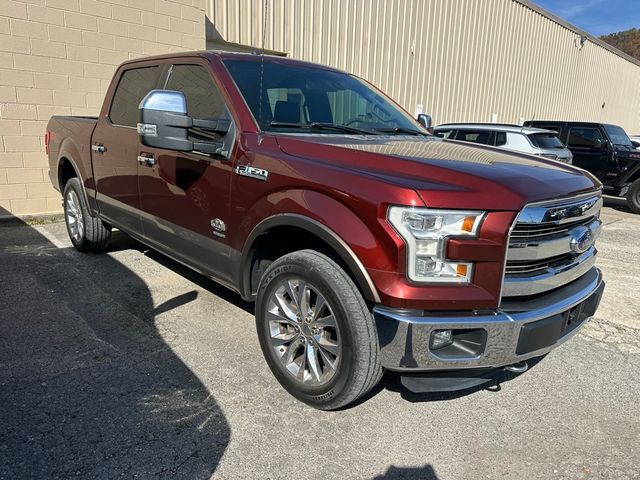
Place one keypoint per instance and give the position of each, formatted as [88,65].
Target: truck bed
[70,137]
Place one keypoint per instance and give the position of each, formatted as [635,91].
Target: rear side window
[545,140]
[132,88]
[204,100]
[583,137]
[483,136]
[501,139]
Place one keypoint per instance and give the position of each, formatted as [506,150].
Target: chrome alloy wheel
[304,332]
[73,212]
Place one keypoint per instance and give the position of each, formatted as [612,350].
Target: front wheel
[633,197]
[316,331]
[87,233]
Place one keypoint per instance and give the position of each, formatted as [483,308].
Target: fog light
[441,338]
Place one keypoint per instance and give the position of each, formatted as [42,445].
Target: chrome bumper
[543,321]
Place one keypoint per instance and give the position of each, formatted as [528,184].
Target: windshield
[546,140]
[296,96]
[618,136]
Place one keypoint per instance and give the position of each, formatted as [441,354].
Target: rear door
[184,196]
[115,145]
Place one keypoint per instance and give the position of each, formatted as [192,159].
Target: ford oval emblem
[581,239]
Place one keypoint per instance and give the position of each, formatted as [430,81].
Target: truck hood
[446,174]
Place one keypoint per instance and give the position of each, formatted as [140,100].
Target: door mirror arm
[211,148]
[220,126]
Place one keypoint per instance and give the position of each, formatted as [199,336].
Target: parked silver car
[534,141]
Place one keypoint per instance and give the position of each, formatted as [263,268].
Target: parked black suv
[604,150]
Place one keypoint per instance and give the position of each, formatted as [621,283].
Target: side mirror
[425,120]
[599,144]
[164,123]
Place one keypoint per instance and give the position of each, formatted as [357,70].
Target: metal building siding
[462,59]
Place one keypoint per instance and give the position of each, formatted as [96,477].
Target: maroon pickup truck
[366,243]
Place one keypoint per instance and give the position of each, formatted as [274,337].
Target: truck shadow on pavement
[390,381]
[122,241]
[88,386]
[408,473]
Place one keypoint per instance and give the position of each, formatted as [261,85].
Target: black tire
[358,369]
[93,235]
[633,197]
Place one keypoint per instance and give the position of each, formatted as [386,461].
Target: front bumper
[517,331]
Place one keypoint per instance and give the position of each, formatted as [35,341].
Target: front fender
[331,221]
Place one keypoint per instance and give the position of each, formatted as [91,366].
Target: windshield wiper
[410,131]
[322,126]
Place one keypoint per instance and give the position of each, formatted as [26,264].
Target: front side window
[300,96]
[132,88]
[584,137]
[204,100]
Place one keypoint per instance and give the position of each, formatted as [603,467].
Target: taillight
[47,138]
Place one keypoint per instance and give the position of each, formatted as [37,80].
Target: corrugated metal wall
[463,60]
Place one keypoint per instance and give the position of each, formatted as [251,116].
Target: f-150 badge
[253,172]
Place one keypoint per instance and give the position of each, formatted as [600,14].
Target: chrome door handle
[146,161]
[98,148]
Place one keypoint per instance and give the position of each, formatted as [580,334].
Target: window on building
[132,88]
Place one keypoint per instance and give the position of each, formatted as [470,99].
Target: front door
[581,141]
[115,145]
[184,195]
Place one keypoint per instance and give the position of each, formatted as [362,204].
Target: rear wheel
[316,331]
[87,233]
[633,197]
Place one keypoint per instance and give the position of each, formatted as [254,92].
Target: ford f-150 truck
[366,243]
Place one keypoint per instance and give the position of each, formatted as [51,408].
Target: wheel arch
[68,168]
[312,230]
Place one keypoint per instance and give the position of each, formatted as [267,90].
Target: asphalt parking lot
[129,365]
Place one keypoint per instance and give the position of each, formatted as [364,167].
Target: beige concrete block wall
[57,58]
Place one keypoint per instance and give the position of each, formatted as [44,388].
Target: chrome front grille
[542,231]
[552,244]
[529,268]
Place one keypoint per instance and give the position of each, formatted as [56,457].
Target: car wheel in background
[633,197]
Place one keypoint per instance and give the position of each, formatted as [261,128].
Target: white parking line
[41,229]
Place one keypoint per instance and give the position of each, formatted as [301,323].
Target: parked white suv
[534,141]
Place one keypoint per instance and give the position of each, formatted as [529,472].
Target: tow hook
[519,367]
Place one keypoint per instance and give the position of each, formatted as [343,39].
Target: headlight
[425,233]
